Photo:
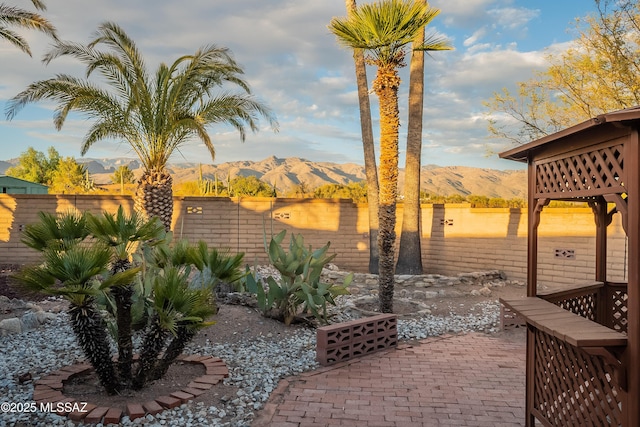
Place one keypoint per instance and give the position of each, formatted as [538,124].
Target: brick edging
[49,389]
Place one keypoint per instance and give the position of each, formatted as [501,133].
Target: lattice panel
[572,388]
[587,172]
[344,341]
[618,310]
[583,305]
[510,319]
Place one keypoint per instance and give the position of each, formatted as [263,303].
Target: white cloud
[473,39]
[513,18]
[293,63]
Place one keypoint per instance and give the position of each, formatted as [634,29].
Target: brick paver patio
[455,380]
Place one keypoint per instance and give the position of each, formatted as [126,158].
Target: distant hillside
[4,166]
[286,173]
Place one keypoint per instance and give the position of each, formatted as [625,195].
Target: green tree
[410,250]
[16,17]
[69,177]
[384,29]
[598,74]
[123,175]
[301,189]
[35,166]
[155,114]
[69,270]
[368,145]
[356,191]
[250,186]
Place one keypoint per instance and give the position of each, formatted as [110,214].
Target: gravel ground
[256,365]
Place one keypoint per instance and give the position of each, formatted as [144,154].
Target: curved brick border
[49,390]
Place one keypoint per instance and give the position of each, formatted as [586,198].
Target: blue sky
[294,65]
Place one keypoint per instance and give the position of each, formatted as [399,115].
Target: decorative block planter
[344,341]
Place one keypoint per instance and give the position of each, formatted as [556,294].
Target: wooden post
[632,354]
[532,278]
[532,240]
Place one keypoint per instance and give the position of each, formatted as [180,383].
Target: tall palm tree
[384,29]
[410,250]
[155,115]
[13,16]
[371,170]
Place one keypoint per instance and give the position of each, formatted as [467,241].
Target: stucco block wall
[456,238]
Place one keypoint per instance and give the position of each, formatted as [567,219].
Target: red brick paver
[464,380]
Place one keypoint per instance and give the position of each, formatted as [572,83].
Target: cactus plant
[299,287]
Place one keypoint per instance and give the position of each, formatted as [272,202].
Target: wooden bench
[344,341]
[580,332]
[569,327]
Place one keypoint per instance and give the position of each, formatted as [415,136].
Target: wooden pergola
[583,344]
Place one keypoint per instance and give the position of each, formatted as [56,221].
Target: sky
[294,65]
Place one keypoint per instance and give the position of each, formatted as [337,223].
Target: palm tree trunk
[90,329]
[370,167]
[152,345]
[154,196]
[386,87]
[174,349]
[410,252]
[122,297]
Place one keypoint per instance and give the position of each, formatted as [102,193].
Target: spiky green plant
[299,284]
[123,234]
[179,312]
[86,257]
[216,266]
[72,274]
[56,232]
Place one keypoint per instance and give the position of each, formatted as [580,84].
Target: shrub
[120,273]
[299,287]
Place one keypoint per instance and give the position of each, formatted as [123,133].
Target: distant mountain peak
[288,172]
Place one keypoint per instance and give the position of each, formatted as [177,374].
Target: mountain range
[286,173]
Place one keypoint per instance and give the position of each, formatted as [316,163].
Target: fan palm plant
[16,17]
[86,257]
[71,271]
[383,30]
[179,311]
[155,114]
[123,234]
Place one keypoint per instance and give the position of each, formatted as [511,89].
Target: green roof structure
[12,185]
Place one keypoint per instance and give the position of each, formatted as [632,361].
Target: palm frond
[157,115]
[383,28]
[57,233]
[16,17]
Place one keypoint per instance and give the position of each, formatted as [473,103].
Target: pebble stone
[255,365]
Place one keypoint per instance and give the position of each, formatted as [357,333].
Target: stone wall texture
[455,238]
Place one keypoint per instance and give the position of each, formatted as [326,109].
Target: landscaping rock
[10,326]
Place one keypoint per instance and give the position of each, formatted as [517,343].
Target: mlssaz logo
[63,407]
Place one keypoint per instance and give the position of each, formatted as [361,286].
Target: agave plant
[299,284]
